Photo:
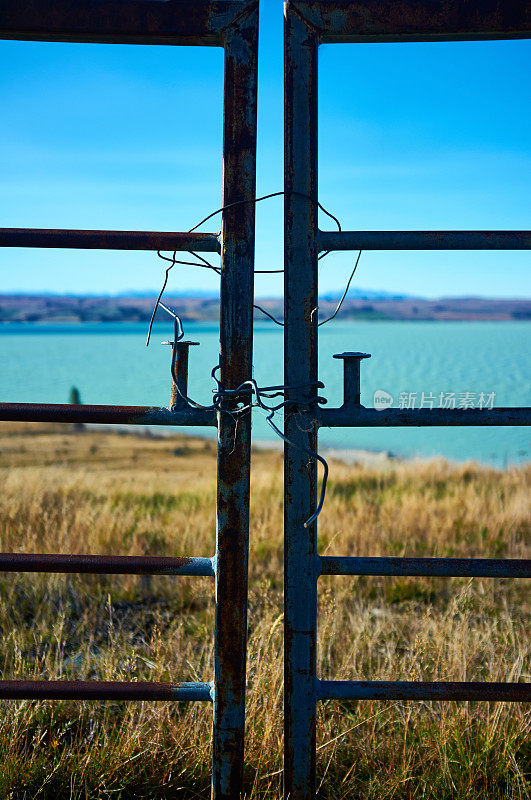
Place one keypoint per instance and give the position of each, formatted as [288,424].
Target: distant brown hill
[44,308]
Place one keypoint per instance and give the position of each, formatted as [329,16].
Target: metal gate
[233,25]
[306,25]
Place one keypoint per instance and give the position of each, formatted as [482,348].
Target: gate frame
[232,25]
[306,25]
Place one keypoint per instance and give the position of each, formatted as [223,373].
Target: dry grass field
[120,494]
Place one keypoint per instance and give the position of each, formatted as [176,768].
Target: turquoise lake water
[109,363]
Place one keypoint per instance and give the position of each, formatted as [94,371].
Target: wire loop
[249,393]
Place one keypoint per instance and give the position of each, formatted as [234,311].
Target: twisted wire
[250,386]
[205,264]
[258,392]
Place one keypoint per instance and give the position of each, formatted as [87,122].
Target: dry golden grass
[105,493]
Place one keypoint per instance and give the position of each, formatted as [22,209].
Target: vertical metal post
[351,378]
[300,368]
[179,390]
[234,440]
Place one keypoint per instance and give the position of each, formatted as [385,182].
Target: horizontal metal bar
[414,20]
[361,417]
[444,567]
[109,240]
[103,690]
[424,240]
[110,415]
[184,22]
[105,565]
[420,690]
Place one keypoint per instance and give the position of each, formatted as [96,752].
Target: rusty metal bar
[300,369]
[353,414]
[234,440]
[424,240]
[179,389]
[172,22]
[103,690]
[109,415]
[109,240]
[106,565]
[415,20]
[361,417]
[404,690]
[428,567]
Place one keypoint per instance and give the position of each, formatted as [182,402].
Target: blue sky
[411,136]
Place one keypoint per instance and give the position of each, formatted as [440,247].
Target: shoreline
[346,456]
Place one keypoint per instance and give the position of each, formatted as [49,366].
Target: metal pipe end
[351,356]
